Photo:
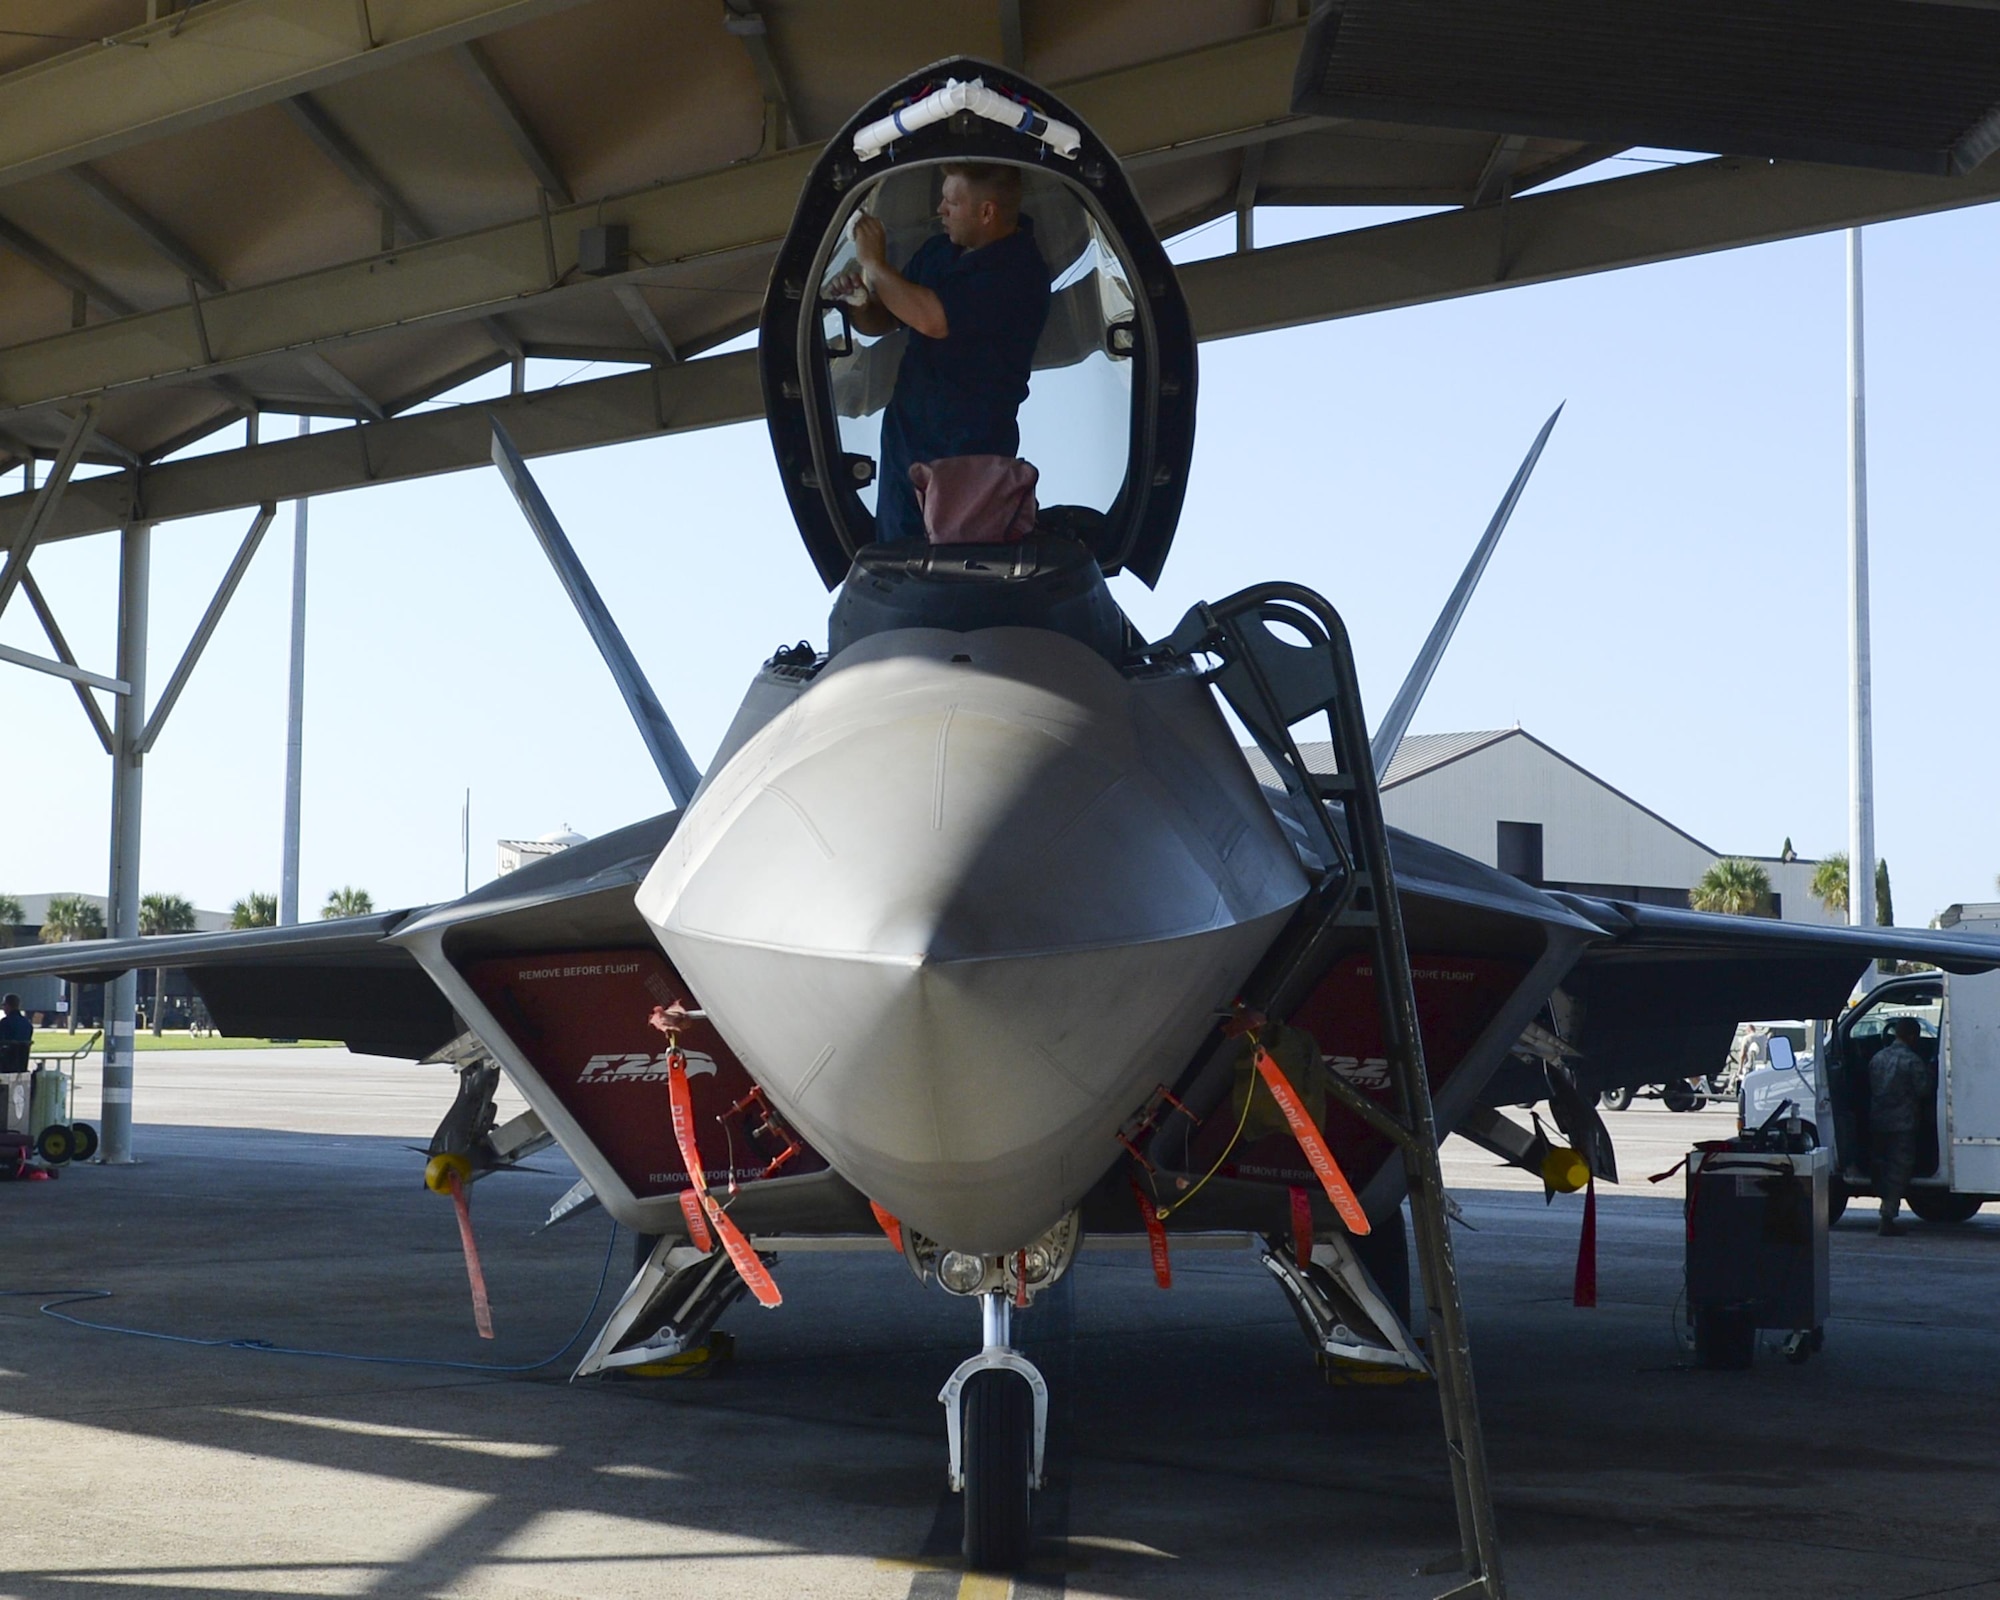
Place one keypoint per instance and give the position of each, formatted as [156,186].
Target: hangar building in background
[1505,798]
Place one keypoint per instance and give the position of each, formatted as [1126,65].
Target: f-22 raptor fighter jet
[981,936]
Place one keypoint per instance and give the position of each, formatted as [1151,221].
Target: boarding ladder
[1274,684]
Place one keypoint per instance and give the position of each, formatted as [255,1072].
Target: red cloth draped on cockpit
[976,499]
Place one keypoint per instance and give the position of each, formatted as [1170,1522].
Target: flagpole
[1860,688]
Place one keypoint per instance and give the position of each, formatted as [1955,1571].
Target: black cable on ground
[70,1297]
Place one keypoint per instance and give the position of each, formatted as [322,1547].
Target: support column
[121,995]
[295,715]
[1860,687]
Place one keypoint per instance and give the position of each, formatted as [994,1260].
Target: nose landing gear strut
[996,1417]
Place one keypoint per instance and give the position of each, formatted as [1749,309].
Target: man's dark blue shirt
[960,395]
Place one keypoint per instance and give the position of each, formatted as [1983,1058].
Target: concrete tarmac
[1195,1452]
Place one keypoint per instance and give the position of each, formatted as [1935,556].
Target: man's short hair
[992,180]
[1906,1029]
[12,1002]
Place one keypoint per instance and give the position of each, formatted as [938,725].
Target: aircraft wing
[346,979]
[321,980]
[1662,994]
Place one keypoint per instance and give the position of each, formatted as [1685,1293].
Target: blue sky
[1667,608]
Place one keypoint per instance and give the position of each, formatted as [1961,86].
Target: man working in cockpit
[974,299]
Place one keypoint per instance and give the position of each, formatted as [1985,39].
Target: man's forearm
[911,304]
[872,318]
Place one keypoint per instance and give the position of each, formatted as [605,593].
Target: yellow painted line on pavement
[984,1586]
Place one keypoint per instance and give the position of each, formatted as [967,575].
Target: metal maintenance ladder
[1273,684]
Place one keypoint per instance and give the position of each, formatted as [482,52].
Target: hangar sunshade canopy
[348,208]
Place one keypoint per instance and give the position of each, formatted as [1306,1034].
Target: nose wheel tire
[999,1456]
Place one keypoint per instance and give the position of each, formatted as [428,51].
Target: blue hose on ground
[70,1297]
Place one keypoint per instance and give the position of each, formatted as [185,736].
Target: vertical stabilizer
[1396,722]
[677,768]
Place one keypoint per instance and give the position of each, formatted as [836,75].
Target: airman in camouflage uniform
[1900,1084]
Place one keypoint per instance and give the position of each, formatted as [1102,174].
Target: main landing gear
[668,1310]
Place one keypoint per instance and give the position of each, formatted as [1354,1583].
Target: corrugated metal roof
[1899,84]
[250,219]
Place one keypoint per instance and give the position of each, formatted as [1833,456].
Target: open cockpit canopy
[1108,422]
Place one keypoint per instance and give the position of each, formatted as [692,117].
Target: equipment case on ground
[1756,1249]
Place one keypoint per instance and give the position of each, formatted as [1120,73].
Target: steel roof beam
[1496,178]
[47,501]
[62,669]
[506,110]
[205,629]
[216,59]
[1655,216]
[566,350]
[67,657]
[120,455]
[503,336]
[1666,214]
[1200,100]
[341,384]
[78,282]
[1013,37]
[52,264]
[478,367]
[1661,215]
[334,144]
[742,18]
[1249,174]
[408,227]
[418,444]
[640,311]
[150,228]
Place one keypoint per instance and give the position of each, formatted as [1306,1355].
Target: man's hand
[865,313]
[891,295]
[871,242]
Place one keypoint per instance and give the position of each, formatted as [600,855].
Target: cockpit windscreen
[1037,359]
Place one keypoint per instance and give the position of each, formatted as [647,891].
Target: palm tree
[1829,883]
[163,913]
[1741,888]
[254,910]
[347,901]
[1829,887]
[71,916]
[10,919]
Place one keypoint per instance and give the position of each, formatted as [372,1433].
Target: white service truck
[1958,1145]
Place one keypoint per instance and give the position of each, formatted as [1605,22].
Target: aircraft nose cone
[963,905]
